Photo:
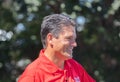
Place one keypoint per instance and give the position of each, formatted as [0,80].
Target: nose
[74,44]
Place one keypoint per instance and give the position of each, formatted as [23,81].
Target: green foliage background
[98,35]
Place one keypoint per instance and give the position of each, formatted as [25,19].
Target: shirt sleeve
[84,76]
[87,77]
[31,77]
[26,79]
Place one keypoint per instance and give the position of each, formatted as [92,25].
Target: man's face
[64,44]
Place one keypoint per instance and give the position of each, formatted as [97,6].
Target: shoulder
[30,72]
[76,66]
[79,69]
[33,66]
[74,63]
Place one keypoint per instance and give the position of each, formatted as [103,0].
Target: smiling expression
[64,44]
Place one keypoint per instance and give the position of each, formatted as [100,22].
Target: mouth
[70,50]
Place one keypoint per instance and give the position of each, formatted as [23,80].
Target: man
[55,63]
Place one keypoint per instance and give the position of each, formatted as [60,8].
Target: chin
[69,56]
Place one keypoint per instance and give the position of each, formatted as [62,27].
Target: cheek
[61,45]
[66,43]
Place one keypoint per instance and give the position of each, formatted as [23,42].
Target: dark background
[98,35]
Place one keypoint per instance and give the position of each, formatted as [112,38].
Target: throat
[56,60]
[60,64]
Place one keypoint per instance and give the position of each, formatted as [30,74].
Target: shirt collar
[47,64]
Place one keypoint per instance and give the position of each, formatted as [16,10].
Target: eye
[68,38]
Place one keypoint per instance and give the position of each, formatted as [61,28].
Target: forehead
[68,30]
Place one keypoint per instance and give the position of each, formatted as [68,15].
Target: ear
[49,38]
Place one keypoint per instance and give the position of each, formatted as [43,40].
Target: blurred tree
[98,33]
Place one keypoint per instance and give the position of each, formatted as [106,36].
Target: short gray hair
[53,24]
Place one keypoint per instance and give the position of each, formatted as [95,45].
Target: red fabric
[43,70]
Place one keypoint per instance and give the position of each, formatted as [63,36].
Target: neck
[54,58]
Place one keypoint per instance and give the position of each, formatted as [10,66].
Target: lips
[69,50]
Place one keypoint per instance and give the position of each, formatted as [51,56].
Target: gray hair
[53,24]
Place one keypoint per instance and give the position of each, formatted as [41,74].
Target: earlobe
[50,41]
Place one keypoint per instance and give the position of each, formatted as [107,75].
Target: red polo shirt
[43,70]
